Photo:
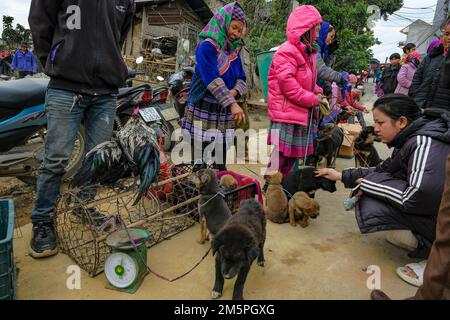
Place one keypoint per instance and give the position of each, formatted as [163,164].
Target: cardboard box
[352,129]
[346,150]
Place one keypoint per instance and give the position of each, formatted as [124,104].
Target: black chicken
[108,163]
[140,145]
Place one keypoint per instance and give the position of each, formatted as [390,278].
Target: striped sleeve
[410,195]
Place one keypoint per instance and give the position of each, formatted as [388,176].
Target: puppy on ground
[228,183]
[366,154]
[305,180]
[214,211]
[237,245]
[327,145]
[301,208]
[276,201]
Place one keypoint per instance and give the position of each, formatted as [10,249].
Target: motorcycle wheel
[76,159]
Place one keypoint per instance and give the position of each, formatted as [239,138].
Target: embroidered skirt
[292,139]
[205,119]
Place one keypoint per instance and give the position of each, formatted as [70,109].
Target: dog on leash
[366,154]
[214,211]
[301,208]
[276,209]
[237,245]
[305,180]
[327,145]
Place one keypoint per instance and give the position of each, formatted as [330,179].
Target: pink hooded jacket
[293,74]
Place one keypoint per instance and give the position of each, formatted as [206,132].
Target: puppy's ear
[328,185]
[205,178]
[216,244]
[252,254]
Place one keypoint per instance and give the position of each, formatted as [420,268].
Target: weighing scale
[124,268]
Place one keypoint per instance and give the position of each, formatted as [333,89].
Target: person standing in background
[24,62]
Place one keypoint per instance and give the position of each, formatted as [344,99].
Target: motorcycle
[23,130]
[152,107]
[23,125]
[179,86]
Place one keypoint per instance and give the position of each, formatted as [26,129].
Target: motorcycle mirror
[160,78]
[139,60]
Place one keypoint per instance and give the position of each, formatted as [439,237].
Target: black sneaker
[43,240]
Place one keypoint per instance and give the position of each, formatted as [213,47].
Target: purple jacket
[405,77]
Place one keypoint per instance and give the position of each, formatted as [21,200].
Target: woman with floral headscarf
[407,71]
[218,82]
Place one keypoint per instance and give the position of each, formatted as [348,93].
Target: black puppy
[327,145]
[365,153]
[305,180]
[237,245]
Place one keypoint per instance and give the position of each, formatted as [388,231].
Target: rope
[135,248]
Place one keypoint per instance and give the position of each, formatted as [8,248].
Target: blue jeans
[97,114]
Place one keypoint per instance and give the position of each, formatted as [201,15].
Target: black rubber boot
[43,240]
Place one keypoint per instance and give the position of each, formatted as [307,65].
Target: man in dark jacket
[389,76]
[426,79]
[79,43]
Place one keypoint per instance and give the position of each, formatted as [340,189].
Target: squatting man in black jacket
[403,193]
[79,43]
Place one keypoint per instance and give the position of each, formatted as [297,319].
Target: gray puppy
[214,211]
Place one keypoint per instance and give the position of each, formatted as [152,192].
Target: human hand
[351,111]
[324,105]
[234,93]
[329,174]
[366,111]
[238,114]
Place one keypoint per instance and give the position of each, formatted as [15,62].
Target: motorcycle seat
[23,93]
[127,91]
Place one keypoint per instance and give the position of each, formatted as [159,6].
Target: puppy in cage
[214,211]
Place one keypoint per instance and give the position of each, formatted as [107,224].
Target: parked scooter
[179,86]
[23,124]
[23,130]
[159,114]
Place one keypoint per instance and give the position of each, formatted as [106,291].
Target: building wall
[415,34]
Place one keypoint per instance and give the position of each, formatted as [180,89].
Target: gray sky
[386,31]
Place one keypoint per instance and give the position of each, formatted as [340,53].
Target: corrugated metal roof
[199,6]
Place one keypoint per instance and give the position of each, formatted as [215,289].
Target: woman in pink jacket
[293,92]
[407,71]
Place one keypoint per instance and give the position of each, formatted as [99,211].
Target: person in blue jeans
[24,62]
[85,66]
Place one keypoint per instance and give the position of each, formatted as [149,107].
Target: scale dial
[120,270]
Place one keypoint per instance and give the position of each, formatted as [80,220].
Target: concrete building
[415,31]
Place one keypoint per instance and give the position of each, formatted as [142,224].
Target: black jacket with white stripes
[412,179]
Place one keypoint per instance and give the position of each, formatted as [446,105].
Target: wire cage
[86,216]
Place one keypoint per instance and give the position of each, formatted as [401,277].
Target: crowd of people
[403,193]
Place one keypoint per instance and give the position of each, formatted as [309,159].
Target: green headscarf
[217,28]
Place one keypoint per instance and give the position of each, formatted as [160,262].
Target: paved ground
[327,260]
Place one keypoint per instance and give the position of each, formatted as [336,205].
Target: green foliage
[13,37]
[268,24]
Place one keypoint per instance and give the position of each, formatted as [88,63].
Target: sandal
[417,268]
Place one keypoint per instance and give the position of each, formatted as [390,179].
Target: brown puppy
[276,200]
[228,183]
[301,208]
[214,211]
